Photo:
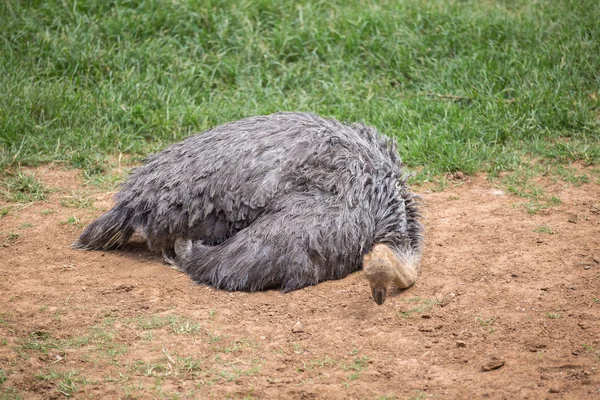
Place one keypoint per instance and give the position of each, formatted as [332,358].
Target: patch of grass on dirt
[570,174]
[238,345]
[521,183]
[6,392]
[553,315]
[4,318]
[73,221]
[544,229]
[66,382]
[4,211]
[591,350]
[108,181]
[39,342]
[323,362]
[419,395]
[596,173]
[11,237]
[77,200]
[420,306]
[486,323]
[21,187]
[355,367]
[100,343]
[179,325]
[176,366]
[173,366]
[213,337]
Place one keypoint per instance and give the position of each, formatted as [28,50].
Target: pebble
[492,363]
[583,325]
[460,343]
[298,327]
[447,299]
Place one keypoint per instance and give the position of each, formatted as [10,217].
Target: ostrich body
[280,201]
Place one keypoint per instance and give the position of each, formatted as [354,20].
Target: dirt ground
[507,306]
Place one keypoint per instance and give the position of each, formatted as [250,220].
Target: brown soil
[501,310]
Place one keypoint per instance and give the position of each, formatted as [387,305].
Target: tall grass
[463,85]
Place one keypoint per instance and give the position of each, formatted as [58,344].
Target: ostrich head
[383,266]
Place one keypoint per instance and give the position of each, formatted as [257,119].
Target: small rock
[583,325]
[425,316]
[534,348]
[573,218]
[460,343]
[447,299]
[587,267]
[575,353]
[492,363]
[458,175]
[513,275]
[554,389]
[298,327]
[571,287]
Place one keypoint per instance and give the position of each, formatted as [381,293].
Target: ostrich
[282,201]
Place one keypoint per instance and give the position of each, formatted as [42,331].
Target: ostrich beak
[381,266]
[379,295]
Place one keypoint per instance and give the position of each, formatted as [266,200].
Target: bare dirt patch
[507,306]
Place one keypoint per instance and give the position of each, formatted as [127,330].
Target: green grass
[77,200]
[73,221]
[4,211]
[463,85]
[21,187]
[522,184]
[544,229]
[591,350]
[179,325]
[419,306]
[66,382]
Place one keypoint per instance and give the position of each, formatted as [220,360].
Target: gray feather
[279,201]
